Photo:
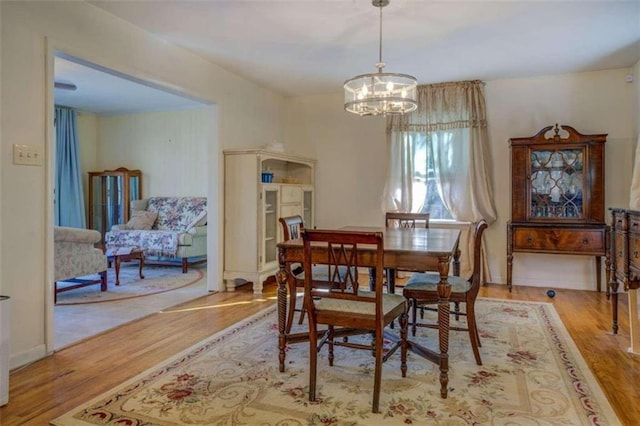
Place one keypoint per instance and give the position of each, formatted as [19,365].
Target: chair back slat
[406,220]
[338,250]
[291,227]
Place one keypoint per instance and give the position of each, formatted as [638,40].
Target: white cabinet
[252,209]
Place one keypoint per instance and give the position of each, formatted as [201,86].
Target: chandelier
[380,93]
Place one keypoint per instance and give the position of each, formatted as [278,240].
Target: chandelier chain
[380,64]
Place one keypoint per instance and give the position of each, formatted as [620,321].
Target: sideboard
[625,268]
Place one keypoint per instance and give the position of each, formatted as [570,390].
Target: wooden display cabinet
[252,208]
[557,196]
[110,195]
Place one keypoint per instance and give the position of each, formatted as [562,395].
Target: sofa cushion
[142,219]
[139,204]
[177,214]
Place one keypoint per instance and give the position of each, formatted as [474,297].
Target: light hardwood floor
[48,388]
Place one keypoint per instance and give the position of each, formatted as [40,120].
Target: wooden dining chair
[403,220]
[346,306]
[292,227]
[406,220]
[421,290]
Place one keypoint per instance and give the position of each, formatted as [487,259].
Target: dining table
[413,249]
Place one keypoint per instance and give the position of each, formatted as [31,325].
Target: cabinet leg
[634,323]
[509,270]
[614,311]
[607,266]
[598,274]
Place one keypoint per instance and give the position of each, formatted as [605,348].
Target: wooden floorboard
[50,387]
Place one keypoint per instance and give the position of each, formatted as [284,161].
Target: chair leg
[303,311]
[313,358]
[378,374]
[414,316]
[456,309]
[292,305]
[473,332]
[404,326]
[330,340]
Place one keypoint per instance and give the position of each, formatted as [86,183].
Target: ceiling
[308,47]
[107,93]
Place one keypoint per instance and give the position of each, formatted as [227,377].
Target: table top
[432,241]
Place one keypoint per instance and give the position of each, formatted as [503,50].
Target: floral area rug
[532,374]
[157,279]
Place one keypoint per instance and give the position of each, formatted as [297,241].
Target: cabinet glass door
[134,188]
[557,183]
[270,225]
[107,209]
[110,196]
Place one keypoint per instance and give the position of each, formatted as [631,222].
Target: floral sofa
[75,256]
[168,228]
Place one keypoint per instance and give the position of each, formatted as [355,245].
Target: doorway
[103,97]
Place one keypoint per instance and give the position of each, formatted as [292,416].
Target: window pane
[425,187]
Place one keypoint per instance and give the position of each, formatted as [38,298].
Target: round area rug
[157,279]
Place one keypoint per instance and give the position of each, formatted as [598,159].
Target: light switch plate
[27,155]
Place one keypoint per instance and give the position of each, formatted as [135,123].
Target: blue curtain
[69,199]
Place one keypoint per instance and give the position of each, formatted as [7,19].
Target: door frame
[214,179]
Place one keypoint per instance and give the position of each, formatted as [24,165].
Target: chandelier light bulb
[390,86]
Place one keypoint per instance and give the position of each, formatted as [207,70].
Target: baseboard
[21,359]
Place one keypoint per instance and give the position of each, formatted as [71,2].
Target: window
[438,155]
[426,196]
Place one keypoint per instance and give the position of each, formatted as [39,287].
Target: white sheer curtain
[451,118]
[399,189]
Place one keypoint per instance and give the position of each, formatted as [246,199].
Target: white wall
[595,102]
[351,155]
[351,158]
[170,148]
[248,116]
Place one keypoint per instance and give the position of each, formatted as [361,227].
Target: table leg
[444,292]
[372,279]
[117,268]
[391,280]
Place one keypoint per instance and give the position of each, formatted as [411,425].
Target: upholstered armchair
[75,256]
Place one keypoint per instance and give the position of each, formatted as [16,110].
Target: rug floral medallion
[532,374]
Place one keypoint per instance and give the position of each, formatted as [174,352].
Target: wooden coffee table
[126,254]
